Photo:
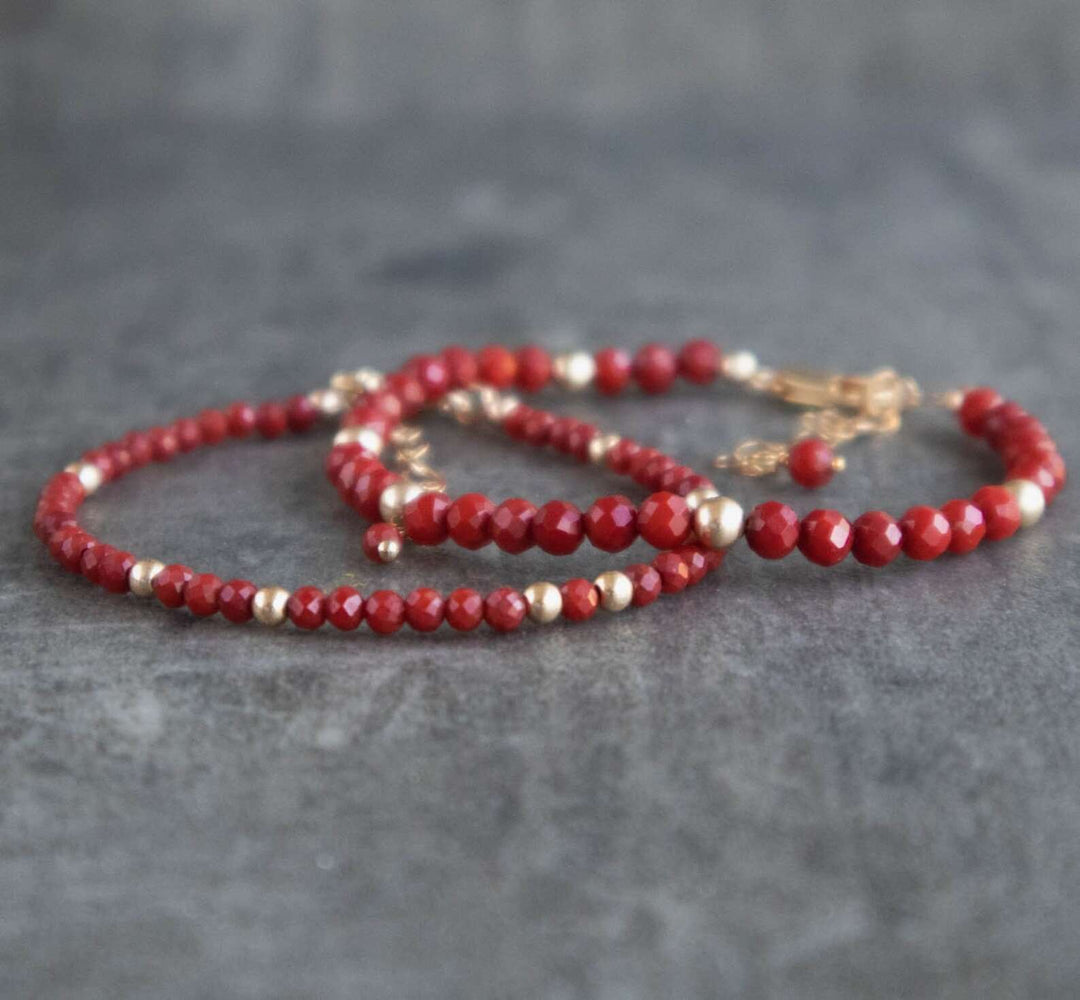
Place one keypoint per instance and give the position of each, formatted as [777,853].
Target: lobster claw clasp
[878,394]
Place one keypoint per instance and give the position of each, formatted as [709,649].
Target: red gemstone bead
[533,368]
[306,608]
[772,530]
[640,459]
[693,482]
[202,594]
[425,609]
[613,367]
[672,478]
[214,426]
[375,535]
[926,533]
[344,608]
[622,455]
[271,420]
[93,557]
[496,366]
[234,600]
[302,414]
[468,520]
[810,463]
[169,585]
[825,537]
[409,392]
[511,525]
[673,571]
[878,539]
[384,611]
[647,583]
[611,523]
[241,418]
[578,440]
[122,461]
[387,402]
[431,372]
[696,563]
[699,361]
[967,524]
[464,609]
[536,427]
[514,422]
[558,528]
[461,365]
[975,408]
[650,474]
[140,447]
[1000,419]
[163,443]
[425,518]
[114,570]
[664,520]
[505,609]
[103,460]
[655,367]
[1001,511]
[188,434]
[1047,470]
[68,545]
[580,599]
[365,494]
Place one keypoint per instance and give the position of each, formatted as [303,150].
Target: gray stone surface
[790,783]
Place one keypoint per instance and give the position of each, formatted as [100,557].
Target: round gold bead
[718,522]
[695,498]
[741,366]
[363,436]
[269,604]
[460,405]
[141,577]
[600,445]
[368,379]
[545,602]
[574,371]
[616,590]
[343,382]
[1029,498]
[838,463]
[329,402]
[388,550]
[395,497]
[89,475]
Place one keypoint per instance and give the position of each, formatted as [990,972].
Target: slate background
[789,783]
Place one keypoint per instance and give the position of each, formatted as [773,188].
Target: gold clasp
[874,395]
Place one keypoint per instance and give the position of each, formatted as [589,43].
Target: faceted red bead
[673,571]
[241,418]
[113,572]
[431,372]
[647,583]
[967,524]
[650,474]
[514,422]
[640,459]
[1001,511]
[375,535]
[613,367]
[559,436]
[580,599]
[975,408]
[533,368]
[536,427]
[1047,470]
[655,367]
[926,533]
[409,392]
[271,420]
[345,608]
[139,447]
[621,456]
[505,609]
[384,611]
[234,600]
[302,414]
[202,593]
[511,525]
[693,482]
[699,361]
[810,463]
[306,608]
[461,365]
[425,518]
[48,520]
[578,440]
[496,366]
[163,443]
[121,458]
[1000,419]
[67,546]
[664,520]
[468,520]
[878,539]
[558,528]
[825,537]
[92,559]
[673,478]
[425,609]
[611,523]
[188,434]
[214,426]
[369,486]
[696,563]
[103,460]
[354,466]
[772,530]
[386,402]
[464,609]
[169,585]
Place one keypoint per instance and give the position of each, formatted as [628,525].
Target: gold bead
[616,590]
[329,402]
[740,366]
[388,549]
[368,379]
[838,463]
[545,602]
[393,500]
[695,498]
[141,577]
[89,475]
[600,445]
[269,604]
[574,371]
[343,382]
[363,436]
[460,405]
[718,522]
[1029,498]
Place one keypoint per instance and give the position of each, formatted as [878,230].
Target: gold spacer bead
[545,602]
[368,379]
[616,590]
[388,550]
[718,522]
[600,445]
[329,402]
[141,577]
[269,604]
[1029,498]
[695,498]
[363,436]
[343,382]
[741,366]
[89,475]
[838,463]
[575,370]
[394,499]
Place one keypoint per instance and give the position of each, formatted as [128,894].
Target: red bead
[202,594]
[345,608]
[825,537]
[169,585]
[431,372]
[558,528]
[114,570]
[514,422]
[496,366]
[810,463]
[975,408]
[241,418]
[67,546]
[163,443]
[188,434]
[425,518]
[365,494]
[375,535]
[461,365]
[926,533]
[673,478]
[361,462]
[214,426]
[578,440]
[409,392]
[647,583]
[302,414]
[654,470]
[640,459]
[622,455]
[511,525]
[468,520]
[1047,470]
[536,427]
[580,599]
[425,609]
[655,367]
[693,482]
[613,367]
[699,361]
[505,609]
[772,530]
[306,608]
[121,458]
[271,420]
[878,539]
[464,609]
[386,402]
[673,571]
[49,520]
[103,460]
[1001,511]
[140,447]
[611,523]
[93,557]
[967,524]
[533,368]
[696,563]
[234,600]
[664,520]
[384,611]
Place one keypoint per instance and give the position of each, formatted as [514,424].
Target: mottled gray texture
[790,783]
